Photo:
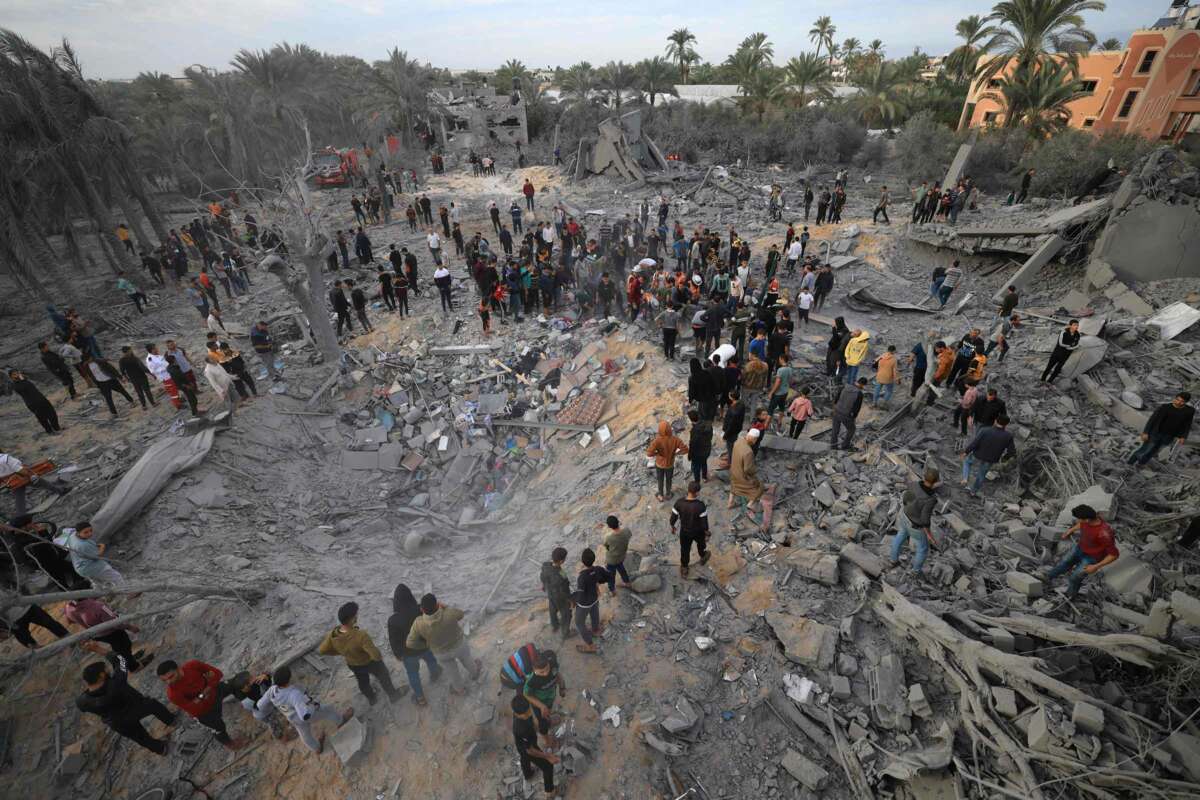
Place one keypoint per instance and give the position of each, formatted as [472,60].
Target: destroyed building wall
[1153,230]
[622,147]
[478,119]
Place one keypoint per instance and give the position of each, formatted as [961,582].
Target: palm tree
[744,66]
[1037,96]
[656,76]
[875,50]
[822,33]
[881,101]
[807,77]
[616,77]
[679,48]
[1029,30]
[1112,43]
[851,47]
[512,69]
[579,84]
[972,30]
[758,45]
[759,91]
[396,94]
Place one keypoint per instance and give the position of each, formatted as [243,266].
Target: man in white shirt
[157,365]
[794,253]
[214,323]
[299,709]
[455,213]
[803,303]
[435,246]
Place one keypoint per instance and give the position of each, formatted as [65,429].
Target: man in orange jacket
[195,688]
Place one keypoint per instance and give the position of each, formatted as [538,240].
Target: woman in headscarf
[838,337]
[405,609]
[702,390]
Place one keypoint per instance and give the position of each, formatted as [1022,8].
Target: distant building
[1151,88]
[476,117]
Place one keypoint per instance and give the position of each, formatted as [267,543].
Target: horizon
[119,39]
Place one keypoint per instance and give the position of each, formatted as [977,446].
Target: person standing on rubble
[525,736]
[341,307]
[360,653]
[692,515]
[359,300]
[587,601]
[668,322]
[37,403]
[950,282]
[882,206]
[557,587]
[1095,550]
[665,446]
[855,353]
[438,629]
[846,405]
[92,611]
[1169,421]
[822,286]
[915,519]
[990,445]
[108,695]
[744,482]
[1068,343]
[195,688]
[405,611]
[616,546]
[699,445]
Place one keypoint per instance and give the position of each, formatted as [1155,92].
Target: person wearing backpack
[964,354]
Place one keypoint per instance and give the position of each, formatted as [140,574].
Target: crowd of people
[744,384]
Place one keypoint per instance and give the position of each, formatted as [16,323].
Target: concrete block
[1005,700]
[1093,496]
[814,565]
[1186,608]
[360,459]
[1002,640]
[1160,619]
[1186,749]
[809,774]
[1099,274]
[840,686]
[1038,736]
[1132,302]
[390,455]
[1025,584]
[824,494]
[867,561]
[1087,717]
[805,641]
[917,701]
[957,523]
[351,741]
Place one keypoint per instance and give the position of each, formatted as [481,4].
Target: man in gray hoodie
[915,518]
[846,406]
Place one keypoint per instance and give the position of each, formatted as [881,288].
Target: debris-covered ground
[796,663]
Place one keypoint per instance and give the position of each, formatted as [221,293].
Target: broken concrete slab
[1037,735]
[814,565]
[370,438]
[646,583]
[360,459]
[1024,583]
[1093,496]
[1128,575]
[351,741]
[1032,266]
[1090,353]
[867,561]
[823,494]
[805,641]
[918,703]
[1087,717]
[1005,701]
[808,773]
[1186,749]
[1186,608]
[1173,320]
[889,694]
[839,686]
[773,441]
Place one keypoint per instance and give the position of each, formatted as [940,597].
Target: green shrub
[924,149]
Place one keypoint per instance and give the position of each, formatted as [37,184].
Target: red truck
[334,167]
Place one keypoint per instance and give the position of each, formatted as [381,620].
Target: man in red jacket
[1097,548]
[195,688]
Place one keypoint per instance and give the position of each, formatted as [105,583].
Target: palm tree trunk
[130,214]
[113,263]
[21,252]
[99,212]
[384,205]
[137,188]
[306,289]
[74,251]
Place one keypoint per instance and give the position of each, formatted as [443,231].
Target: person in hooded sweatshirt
[699,445]
[362,656]
[835,353]
[404,612]
[439,629]
[702,390]
[664,448]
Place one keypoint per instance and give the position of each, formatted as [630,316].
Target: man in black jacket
[57,366]
[692,515]
[1169,421]
[341,307]
[41,408]
[132,368]
[359,301]
[1068,342]
[119,705]
[587,600]
[732,424]
[822,286]
[987,408]
[988,447]
[915,518]
[846,405]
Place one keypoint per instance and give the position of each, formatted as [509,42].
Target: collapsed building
[622,148]
[476,118]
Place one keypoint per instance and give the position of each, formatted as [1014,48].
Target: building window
[1089,86]
[989,117]
[1147,62]
[1121,65]
[1178,122]
[994,83]
[1089,122]
[1193,84]
[1127,104]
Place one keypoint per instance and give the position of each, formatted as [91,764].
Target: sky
[121,38]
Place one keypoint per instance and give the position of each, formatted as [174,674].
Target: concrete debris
[815,565]
[1186,608]
[805,641]
[1026,584]
[809,774]
[1087,717]
[1173,320]
[662,746]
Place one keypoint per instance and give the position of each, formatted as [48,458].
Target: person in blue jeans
[1096,549]
[405,609]
[989,446]
[915,520]
[1169,421]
